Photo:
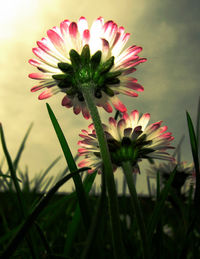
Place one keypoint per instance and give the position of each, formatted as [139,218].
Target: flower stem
[109,177]
[127,168]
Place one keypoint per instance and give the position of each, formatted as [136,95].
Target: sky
[168,31]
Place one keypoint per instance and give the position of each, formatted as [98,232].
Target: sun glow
[12,14]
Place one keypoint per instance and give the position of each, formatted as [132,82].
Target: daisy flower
[184,177]
[129,139]
[72,55]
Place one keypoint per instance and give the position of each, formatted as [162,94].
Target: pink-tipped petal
[76,109]
[118,104]
[107,107]
[86,37]
[135,116]
[46,94]
[133,85]
[73,30]
[112,122]
[85,113]
[144,120]
[36,88]
[66,102]
[39,76]
[56,40]
[82,25]
[64,25]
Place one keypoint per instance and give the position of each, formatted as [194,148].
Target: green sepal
[113,144]
[123,153]
[75,58]
[145,151]
[98,94]
[105,67]
[85,54]
[112,81]
[71,91]
[95,60]
[126,141]
[65,67]
[109,91]
[151,161]
[113,74]
[60,76]
[64,84]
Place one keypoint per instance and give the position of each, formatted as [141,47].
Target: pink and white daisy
[73,54]
[128,139]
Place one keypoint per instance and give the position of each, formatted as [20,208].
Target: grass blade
[194,148]
[21,148]
[198,127]
[83,202]
[73,227]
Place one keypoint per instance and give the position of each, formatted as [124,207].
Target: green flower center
[87,69]
[128,150]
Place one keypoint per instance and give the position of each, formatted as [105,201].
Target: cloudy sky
[168,31]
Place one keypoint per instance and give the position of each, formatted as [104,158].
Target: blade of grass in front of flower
[194,148]
[83,201]
[25,226]
[73,227]
[94,231]
[159,206]
[190,203]
[198,128]
[128,172]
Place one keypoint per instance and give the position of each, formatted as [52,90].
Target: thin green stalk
[82,198]
[109,177]
[127,169]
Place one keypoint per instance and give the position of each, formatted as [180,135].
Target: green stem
[109,177]
[127,168]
